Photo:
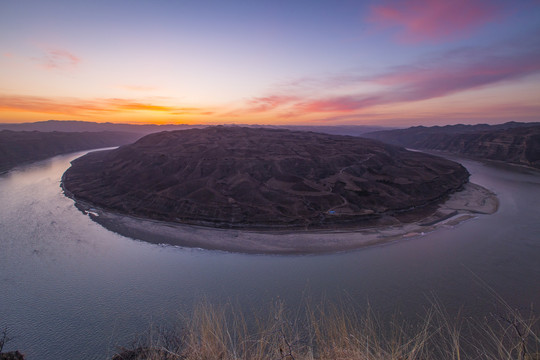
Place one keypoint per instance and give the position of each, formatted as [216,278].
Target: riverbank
[460,206]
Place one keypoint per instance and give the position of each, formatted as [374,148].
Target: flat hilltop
[235,177]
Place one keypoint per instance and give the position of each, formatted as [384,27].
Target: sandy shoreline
[459,207]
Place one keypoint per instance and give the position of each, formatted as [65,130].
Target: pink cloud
[267,103]
[57,59]
[339,104]
[449,73]
[432,20]
[455,72]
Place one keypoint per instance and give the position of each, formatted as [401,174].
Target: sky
[302,62]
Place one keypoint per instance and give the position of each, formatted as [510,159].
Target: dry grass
[330,331]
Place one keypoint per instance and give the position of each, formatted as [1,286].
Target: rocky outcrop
[246,177]
[517,143]
[12,355]
[18,147]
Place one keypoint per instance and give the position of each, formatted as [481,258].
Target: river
[70,289]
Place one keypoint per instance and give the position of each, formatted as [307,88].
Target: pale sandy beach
[472,201]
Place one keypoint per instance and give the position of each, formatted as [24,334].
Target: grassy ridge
[329,331]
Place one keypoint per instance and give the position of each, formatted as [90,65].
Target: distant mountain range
[27,142]
[19,147]
[80,126]
[512,142]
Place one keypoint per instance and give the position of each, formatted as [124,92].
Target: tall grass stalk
[337,331]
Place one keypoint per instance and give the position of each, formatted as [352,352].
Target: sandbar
[472,201]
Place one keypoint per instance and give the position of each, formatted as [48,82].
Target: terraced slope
[517,143]
[253,177]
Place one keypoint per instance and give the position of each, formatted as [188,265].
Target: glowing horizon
[397,63]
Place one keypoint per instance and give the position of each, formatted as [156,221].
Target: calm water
[69,289]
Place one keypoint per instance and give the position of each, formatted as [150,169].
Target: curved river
[70,289]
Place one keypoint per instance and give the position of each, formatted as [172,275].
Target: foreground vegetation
[338,332]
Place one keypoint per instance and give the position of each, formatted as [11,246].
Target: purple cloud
[433,20]
[449,73]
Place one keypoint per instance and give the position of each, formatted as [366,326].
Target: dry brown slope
[242,177]
[517,143]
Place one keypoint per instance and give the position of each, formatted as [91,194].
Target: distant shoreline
[460,206]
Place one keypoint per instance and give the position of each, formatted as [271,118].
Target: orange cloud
[47,105]
[70,106]
[149,107]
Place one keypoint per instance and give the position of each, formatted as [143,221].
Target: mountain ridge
[80,126]
[512,142]
[19,147]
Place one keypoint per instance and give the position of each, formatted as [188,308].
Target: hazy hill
[79,126]
[82,126]
[17,147]
[512,142]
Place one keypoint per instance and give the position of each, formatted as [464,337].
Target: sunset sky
[397,63]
